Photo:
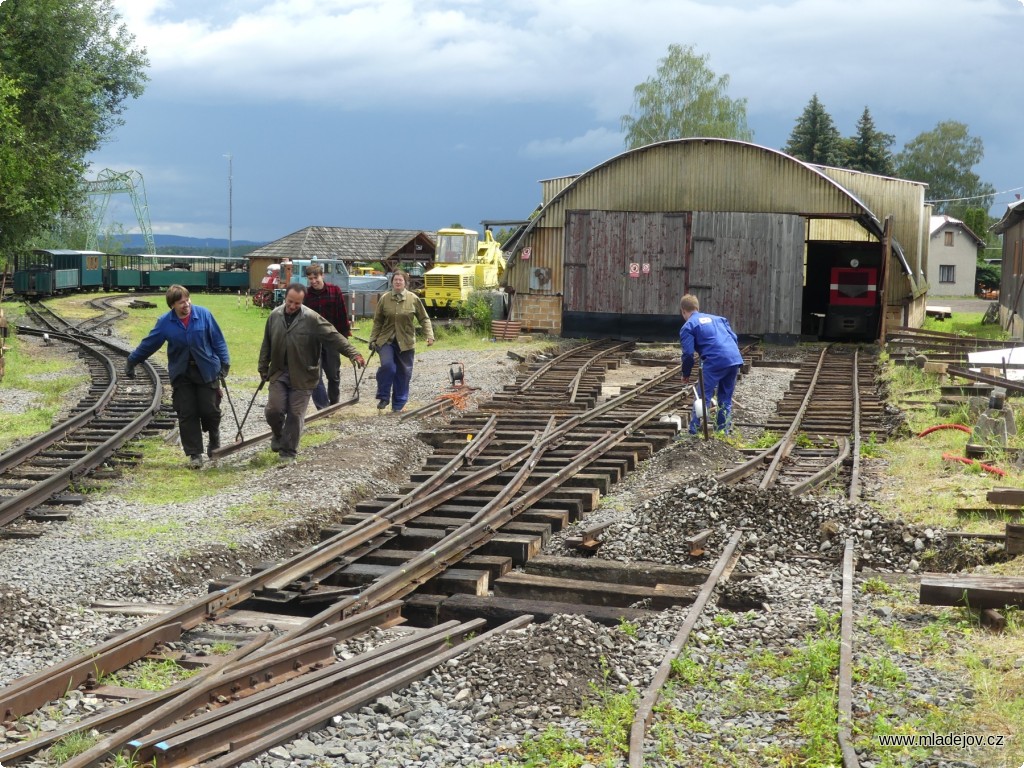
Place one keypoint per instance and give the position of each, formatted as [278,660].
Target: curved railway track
[534,458]
[112,413]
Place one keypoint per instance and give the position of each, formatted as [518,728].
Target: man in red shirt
[328,301]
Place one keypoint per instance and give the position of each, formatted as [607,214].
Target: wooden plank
[1014,539]
[512,545]
[526,586]
[496,566]
[989,513]
[497,610]
[1010,496]
[453,580]
[641,574]
[972,591]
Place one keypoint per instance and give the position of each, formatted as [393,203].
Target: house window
[949,238]
[947,273]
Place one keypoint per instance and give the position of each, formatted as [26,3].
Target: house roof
[938,222]
[1014,213]
[347,243]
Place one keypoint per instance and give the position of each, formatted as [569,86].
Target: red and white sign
[634,269]
[646,269]
[527,253]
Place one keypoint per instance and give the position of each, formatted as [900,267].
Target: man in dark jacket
[328,301]
[720,359]
[197,358]
[290,361]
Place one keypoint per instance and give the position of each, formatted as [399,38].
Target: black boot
[214,443]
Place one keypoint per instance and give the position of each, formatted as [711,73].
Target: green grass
[150,675]
[40,370]
[70,745]
[966,324]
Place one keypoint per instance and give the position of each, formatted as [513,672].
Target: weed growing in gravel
[70,745]
[882,673]
[611,717]
[723,619]
[121,760]
[875,586]
[553,747]
[150,675]
[222,648]
[694,673]
[628,628]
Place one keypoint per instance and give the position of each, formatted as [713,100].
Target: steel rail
[573,388]
[645,709]
[358,697]
[41,442]
[161,708]
[788,439]
[552,363]
[186,742]
[32,691]
[14,506]
[423,497]
[854,494]
[823,475]
[481,528]
[845,694]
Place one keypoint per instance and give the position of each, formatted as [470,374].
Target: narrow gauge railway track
[827,395]
[225,735]
[517,462]
[832,404]
[110,415]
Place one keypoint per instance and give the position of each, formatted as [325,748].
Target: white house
[952,257]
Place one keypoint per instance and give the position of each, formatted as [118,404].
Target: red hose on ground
[961,427]
[965,460]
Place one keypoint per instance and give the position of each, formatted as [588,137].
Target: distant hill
[165,242]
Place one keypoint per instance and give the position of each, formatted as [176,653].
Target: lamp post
[228,156]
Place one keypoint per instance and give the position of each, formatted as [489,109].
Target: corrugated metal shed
[691,176]
[904,201]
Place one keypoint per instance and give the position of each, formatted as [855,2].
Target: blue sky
[416,114]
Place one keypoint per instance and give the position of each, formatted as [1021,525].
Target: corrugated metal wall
[904,201]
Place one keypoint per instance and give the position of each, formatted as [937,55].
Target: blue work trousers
[722,383]
[394,374]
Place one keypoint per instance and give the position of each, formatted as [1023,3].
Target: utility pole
[230,212]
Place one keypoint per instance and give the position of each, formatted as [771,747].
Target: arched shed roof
[708,175]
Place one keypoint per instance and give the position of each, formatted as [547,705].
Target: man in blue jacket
[197,358]
[715,341]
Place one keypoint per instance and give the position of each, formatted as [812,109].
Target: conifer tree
[868,150]
[815,138]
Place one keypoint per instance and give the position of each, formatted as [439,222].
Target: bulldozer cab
[455,246]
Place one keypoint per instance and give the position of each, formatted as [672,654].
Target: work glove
[224,370]
[373,346]
[263,377]
[129,371]
[360,361]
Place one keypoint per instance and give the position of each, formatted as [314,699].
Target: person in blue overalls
[715,341]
